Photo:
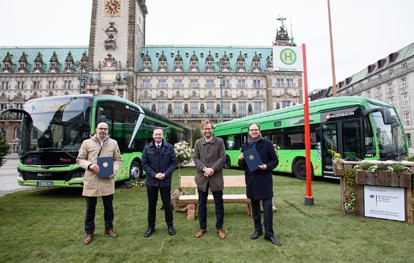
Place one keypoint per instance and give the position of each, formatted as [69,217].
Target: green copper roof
[403,54]
[154,52]
[46,52]
[201,52]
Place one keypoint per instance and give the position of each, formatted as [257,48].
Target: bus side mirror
[101,118]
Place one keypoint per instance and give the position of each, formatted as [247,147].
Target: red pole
[308,198]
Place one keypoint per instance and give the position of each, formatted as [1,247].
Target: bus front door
[343,137]
[329,146]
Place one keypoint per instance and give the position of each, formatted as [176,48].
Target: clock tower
[116,37]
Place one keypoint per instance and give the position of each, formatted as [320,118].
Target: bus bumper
[45,183]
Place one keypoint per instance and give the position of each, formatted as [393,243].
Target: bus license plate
[44,183]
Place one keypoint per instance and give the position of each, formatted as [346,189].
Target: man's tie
[158,149]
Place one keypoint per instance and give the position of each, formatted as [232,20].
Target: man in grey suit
[209,158]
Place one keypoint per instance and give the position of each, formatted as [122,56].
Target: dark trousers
[152,194]
[90,213]
[268,216]
[202,208]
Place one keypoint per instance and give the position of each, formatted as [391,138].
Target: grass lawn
[46,225]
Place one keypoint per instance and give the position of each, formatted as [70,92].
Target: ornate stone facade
[185,83]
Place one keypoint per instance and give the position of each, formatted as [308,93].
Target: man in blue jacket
[159,162]
[259,182]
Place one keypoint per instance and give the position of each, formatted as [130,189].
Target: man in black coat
[259,182]
[159,162]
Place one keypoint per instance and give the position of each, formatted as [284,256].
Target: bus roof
[293,116]
[148,113]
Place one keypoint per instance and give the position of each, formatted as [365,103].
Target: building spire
[282,36]
[292,39]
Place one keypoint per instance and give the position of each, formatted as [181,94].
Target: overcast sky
[364,31]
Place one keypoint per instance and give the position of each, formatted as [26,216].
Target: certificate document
[252,159]
[106,166]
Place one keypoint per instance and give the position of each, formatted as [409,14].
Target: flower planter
[348,166]
[383,178]
[370,178]
[360,176]
[395,179]
[338,168]
[405,179]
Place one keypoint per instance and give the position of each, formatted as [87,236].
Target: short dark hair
[254,124]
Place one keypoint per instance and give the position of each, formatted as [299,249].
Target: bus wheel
[299,169]
[227,164]
[135,172]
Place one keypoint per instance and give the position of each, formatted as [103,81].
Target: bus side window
[101,116]
[288,143]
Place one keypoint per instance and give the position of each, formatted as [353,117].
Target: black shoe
[256,234]
[171,230]
[274,241]
[149,232]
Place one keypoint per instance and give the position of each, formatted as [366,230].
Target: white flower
[184,152]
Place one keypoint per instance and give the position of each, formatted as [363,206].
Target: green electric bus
[356,128]
[53,129]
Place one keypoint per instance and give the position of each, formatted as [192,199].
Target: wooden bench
[229,181]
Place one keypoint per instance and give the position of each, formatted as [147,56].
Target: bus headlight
[19,174]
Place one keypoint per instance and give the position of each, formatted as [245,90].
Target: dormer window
[392,57]
[381,63]
[371,68]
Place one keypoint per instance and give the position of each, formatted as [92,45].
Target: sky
[363,31]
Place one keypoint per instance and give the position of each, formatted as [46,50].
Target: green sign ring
[288,56]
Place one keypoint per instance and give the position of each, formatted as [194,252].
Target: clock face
[112,7]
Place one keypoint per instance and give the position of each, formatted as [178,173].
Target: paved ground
[8,174]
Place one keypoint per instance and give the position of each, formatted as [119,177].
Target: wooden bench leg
[191,213]
[249,209]
[274,208]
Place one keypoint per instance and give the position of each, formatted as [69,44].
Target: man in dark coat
[159,162]
[209,158]
[259,183]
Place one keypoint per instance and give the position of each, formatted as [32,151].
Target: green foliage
[172,137]
[365,166]
[196,134]
[410,159]
[399,167]
[137,183]
[336,157]
[382,167]
[349,203]
[4,149]
[53,219]
[349,177]
[412,204]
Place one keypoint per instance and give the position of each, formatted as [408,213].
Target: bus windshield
[390,137]
[58,124]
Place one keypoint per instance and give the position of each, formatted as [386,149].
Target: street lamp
[332,52]
[221,78]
